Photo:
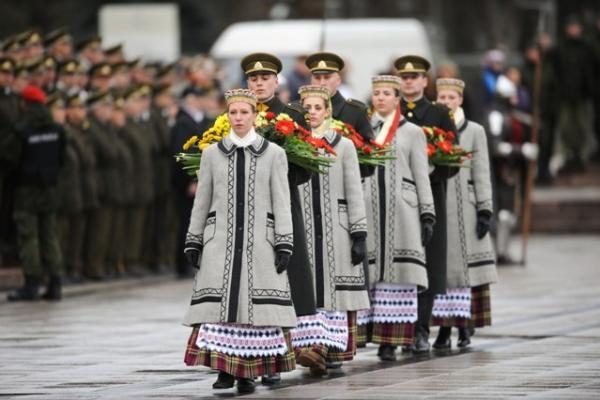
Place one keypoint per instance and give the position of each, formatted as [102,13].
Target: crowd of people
[290,266]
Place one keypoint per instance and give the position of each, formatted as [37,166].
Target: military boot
[29,291]
[464,337]
[54,289]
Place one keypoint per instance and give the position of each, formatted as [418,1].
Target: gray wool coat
[471,261]
[396,197]
[241,216]
[334,214]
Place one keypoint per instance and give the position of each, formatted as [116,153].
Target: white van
[368,46]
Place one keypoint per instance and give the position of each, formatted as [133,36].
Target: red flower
[286,128]
[430,149]
[269,115]
[445,146]
[450,136]
[439,132]
[367,149]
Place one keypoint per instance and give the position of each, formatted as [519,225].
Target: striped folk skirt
[316,352]
[480,311]
[243,351]
[391,318]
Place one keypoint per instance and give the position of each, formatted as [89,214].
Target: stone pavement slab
[128,342]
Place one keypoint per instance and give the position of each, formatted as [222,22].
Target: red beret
[33,94]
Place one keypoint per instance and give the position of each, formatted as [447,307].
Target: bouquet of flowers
[368,153]
[441,148]
[301,149]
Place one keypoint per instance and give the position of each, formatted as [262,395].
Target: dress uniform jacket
[301,280]
[354,113]
[397,196]
[471,261]
[334,213]
[9,142]
[69,178]
[102,136]
[141,150]
[241,217]
[82,144]
[426,113]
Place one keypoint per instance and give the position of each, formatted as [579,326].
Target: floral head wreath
[243,95]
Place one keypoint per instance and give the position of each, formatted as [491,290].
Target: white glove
[495,119]
[530,151]
[504,148]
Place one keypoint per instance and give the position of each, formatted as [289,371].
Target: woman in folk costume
[401,216]
[240,238]
[471,259]
[336,227]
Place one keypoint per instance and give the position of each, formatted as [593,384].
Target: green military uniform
[101,218]
[9,144]
[124,199]
[36,199]
[141,146]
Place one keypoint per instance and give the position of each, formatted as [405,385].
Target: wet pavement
[126,341]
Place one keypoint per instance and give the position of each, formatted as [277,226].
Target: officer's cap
[412,64]
[56,36]
[160,89]
[11,43]
[7,65]
[116,49]
[75,100]
[68,67]
[164,70]
[260,62]
[55,99]
[101,70]
[29,38]
[324,63]
[94,42]
[99,97]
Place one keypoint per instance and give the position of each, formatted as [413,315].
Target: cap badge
[258,65]
[322,64]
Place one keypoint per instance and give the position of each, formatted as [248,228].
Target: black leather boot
[29,291]
[387,353]
[54,289]
[224,381]
[464,337]
[421,345]
[443,342]
[271,380]
[245,385]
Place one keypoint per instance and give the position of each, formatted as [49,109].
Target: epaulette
[296,107]
[356,103]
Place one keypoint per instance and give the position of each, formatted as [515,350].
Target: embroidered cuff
[192,246]
[485,205]
[193,238]
[358,227]
[285,247]
[284,242]
[427,209]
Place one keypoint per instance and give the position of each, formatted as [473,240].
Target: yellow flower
[203,145]
[191,141]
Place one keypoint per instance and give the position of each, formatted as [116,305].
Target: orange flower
[286,128]
[269,115]
[430,149]
[445,146]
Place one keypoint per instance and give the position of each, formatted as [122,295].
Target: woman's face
[241,116]
[317,110]
[384,100]
[450,98]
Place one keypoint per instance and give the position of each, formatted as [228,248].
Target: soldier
[69,191]
[114,54]
[121,79]
[325,69]
[32,45]
[141,149]
[126,175]
[12,49]
[43,145]
[100,77]
[261,71]
[78,128]
[9,143]
[417,109]
[59,44]
[190,121]
[166,74]
[102,138]
[20,79]
[89,51]
[67,77]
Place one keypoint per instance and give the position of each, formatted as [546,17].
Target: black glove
[359,250]
[483,223]
[282,259]
[192,255]
[427,224]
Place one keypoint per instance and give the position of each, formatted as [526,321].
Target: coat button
[240,229]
